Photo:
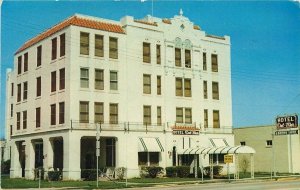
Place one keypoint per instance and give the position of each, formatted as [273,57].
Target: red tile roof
[145,22]
[76,21]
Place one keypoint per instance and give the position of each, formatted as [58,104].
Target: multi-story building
[158,88]
[276,150]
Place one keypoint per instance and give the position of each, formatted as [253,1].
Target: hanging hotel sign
[287,122]
[185,130]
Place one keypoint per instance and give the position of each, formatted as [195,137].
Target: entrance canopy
[150,144]
[218,150]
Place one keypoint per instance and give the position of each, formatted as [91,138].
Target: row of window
[62,52]
[98,112]
[61,120]
[38,85]
[178,57]
[147,84]
[269,143]
[99,79]
[99,45]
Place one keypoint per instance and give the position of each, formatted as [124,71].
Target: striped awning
[219,150]
[150,144]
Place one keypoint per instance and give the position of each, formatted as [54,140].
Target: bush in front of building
[216,171]
[183,171]
[120,173]
[54,175]
[5,167]
[171,171]
[151,171]
[89,174]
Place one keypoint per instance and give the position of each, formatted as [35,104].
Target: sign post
[228,159]
[97,150]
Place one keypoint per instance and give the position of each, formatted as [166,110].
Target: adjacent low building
[160,89]
[276,149]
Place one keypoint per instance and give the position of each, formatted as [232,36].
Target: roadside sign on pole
[228,158]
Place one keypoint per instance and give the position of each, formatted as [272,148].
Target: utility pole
[97,150]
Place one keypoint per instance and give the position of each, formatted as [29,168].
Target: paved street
[278,185]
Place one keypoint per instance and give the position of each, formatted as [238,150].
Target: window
[179,115]
[146,53]
[113,80]
[99,113]
[158,115]
[24,119]
[19,64]
[19,93]
[188,115]
[113,48]
[110,152]
[37,117]
[186,159]
[205,118]
[12,89]
[25,62]
[99,79]
[84,78]
[178,57]
[147,115]
[215,90]
[187,88]
[99,50]
[158,88]
[214,62]
[84,43]
[11,110]
[204,62]
[269,143]
[188,63]
[18,120]
[148,158]
[205,89]
[54,49]
[53,81]
[62,49]
[38,86]
[158,55]
[11,130]
[113,113]
[53,114]
[25,90]
[216,119]
[62,79]
[84,112]
[217,158]
[39,56]
[243,143]
[179,87]
[146,84]
[61,118]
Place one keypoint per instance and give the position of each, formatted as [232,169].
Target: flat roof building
[157,88]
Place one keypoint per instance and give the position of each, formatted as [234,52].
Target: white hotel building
[160,89]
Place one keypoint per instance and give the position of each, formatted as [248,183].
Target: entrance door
[110,152]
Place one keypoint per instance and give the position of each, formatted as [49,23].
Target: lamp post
[97,150]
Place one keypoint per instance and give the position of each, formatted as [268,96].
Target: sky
[265,44]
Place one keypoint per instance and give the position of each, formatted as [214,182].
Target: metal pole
[126,169]
[228,172]
[0,166]
[97,150]
[40,178]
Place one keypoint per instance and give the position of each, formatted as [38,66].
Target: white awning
[218,142]
[150,144]
[219,150]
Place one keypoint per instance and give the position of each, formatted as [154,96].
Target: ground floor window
[186,159]
[110,152]
[217,158]
[148,158]
[39,155]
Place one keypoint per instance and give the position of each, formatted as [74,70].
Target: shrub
[216,170]
[154,170]
[54,175]
[171,171]
[37,173]
[89,174]
[120,172]
[5,167]
[183,171]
